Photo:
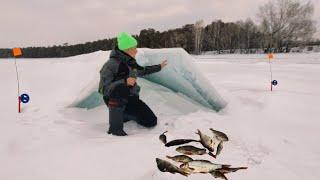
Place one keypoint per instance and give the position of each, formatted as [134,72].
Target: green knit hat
[126,41]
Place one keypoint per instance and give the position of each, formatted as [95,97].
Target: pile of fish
[190,166]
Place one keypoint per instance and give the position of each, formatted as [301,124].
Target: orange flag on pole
[270,56]
[16,52]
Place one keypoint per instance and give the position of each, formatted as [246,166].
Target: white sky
[54,22]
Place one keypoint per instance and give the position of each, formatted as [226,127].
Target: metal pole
[270,74]
[18,82]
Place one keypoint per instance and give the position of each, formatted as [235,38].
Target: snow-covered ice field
[276,134]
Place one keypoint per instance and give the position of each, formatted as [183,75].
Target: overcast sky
[54,22]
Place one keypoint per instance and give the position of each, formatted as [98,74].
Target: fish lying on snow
[179,142]
[202,166]
[191,150]
[207,141]
[180,158]
[163,137]
[219,135]
[165,166]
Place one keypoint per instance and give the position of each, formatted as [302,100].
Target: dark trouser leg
[141,111]
[117,102]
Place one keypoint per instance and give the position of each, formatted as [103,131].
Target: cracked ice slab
[181,75]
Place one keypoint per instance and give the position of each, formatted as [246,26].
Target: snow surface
[276,134]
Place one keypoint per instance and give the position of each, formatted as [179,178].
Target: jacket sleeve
[148,70]
[137,70]
[107,76]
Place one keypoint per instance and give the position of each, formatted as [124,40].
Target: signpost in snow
[24,98]
[272,81]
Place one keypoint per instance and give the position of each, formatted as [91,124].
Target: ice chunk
[181,75]
[93,100]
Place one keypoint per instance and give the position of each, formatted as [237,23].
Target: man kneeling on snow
[119,88]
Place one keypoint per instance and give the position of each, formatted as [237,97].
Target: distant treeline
[216,36]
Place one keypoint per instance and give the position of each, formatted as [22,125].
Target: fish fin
[184,173]
[169,157]
[198,132]
[218,174]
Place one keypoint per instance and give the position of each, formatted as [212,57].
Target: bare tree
[285,20]
[198,29]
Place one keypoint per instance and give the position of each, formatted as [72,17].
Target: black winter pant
[134,108]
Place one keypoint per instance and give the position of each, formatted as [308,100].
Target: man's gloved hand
[131,81]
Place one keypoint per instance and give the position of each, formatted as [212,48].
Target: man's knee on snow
[149,122]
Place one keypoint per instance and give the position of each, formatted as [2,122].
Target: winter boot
[116,118]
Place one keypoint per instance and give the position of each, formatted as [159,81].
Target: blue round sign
[25,98]
[274,82]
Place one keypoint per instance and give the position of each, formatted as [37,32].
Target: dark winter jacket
[118,68]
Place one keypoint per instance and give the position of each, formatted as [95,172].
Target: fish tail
[228,169]
[218,174]
[238,168]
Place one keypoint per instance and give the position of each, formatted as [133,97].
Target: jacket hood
[120,55]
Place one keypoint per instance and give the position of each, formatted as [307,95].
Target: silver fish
[180,158]
[165,166]
[191,150]
[163,137]
[202,166]
[220,135]
[206,141]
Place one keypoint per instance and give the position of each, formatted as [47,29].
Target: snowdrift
[180,76]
